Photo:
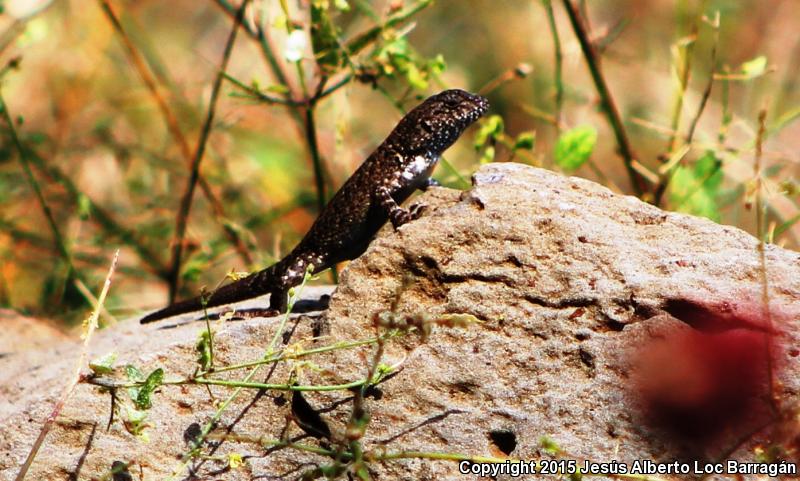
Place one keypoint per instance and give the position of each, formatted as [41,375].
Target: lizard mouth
[480,105]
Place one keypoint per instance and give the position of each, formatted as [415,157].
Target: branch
[558,59]
[638,181]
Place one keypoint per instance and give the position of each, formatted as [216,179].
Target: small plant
[345,450]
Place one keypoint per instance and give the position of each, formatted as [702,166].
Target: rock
[23,341]
[606,325]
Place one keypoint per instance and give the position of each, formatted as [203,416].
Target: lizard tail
[251,286]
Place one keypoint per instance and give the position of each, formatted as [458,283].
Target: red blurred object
[708,385]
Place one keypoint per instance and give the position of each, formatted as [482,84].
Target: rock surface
[576,288]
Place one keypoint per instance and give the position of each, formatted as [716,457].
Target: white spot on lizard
[418,166]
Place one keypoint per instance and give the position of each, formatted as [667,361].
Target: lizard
[401,164]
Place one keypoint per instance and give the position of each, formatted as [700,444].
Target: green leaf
[549,445]
[437,65]
[37,138]
[756,67]
[773,170]
[525,141]
[103,365]
[490,129]
[203,348]
[324,37]
[574,147]
[786,225]
[415,77]
[488,155]
[154,380]
[136,422]
[341,5]
[278,89]
[708,171]
[133,373]
[696,189]
[84,206]
[393,55]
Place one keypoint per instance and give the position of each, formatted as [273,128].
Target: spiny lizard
[370,197]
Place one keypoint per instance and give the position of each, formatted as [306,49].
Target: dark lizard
[372,195]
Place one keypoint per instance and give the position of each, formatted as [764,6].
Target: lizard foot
[400,216]
[416,210]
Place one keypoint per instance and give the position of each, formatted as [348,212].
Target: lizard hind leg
[292,275]
[278,300]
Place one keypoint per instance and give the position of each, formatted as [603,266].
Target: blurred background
[109,105]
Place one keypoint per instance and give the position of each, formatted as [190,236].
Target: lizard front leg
[397,215]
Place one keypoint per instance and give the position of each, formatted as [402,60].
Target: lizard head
[435,124]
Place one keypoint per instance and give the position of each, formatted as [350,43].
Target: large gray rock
[606,324]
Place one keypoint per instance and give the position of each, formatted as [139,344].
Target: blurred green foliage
[313,86]
[574,147]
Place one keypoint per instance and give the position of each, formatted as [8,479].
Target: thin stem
[210,337]
[727,115]
[638,182]
[72,381]
[709,84]
[186,201]
[258,34]
[310,129]
[87,293]
[308,352]
[558,59]
[10,35]
[270,443]
[520,71]
[684,72]
[246,384]
[760,218]
[269,99]
[316,158]
[663,184]
[286,387]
